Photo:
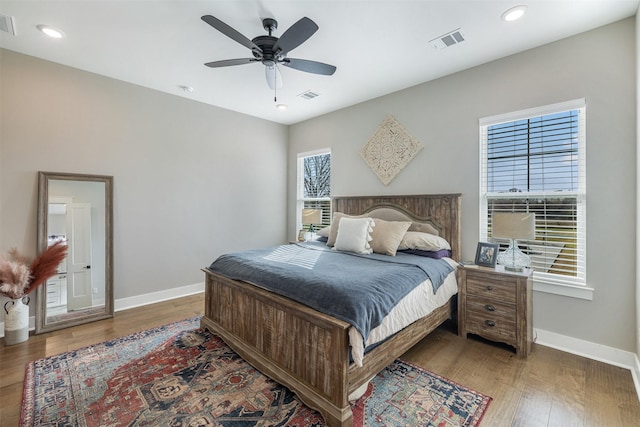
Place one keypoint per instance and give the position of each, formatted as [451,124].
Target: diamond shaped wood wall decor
[389,150]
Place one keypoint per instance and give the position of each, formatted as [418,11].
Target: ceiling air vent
[7,24]
[309,95]
[447,40]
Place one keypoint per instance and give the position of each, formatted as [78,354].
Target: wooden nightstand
[496,305]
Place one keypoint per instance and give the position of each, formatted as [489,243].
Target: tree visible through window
[317,176]
[314,185]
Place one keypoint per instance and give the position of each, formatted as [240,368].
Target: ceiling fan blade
[309,66]
[274,78]
[230,32]
[297,34]
[230,62]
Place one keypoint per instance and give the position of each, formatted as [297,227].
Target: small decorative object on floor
[178,375]
[16,320]
[19,277]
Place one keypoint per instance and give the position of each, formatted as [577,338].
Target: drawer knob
[490,323]
[489,288]
[489,307]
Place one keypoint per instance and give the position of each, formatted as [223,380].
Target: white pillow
[354,235]
[423,241]
[335,226]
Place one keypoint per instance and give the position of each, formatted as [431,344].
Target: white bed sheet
[415,305]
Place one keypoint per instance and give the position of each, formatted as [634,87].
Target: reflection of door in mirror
[71,289]
[79,286]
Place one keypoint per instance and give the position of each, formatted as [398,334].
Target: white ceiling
[378,47]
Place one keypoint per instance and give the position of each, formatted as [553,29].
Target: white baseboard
[153,297]
[590,350]
[138,301]
[635,372]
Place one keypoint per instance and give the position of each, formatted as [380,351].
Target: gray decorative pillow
[423,241]
[387,235]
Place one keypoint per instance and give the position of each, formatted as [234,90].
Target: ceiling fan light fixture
[514,13]
[273,76]
[52,32]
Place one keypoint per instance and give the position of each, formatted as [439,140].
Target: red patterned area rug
[179,375]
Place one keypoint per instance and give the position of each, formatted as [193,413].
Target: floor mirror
[78,210]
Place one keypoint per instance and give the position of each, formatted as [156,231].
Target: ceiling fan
[271,50]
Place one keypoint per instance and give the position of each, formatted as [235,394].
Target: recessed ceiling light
[514,13]
[281,107]
[51,32]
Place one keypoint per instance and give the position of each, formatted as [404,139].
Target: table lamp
[514,226]
[311,217]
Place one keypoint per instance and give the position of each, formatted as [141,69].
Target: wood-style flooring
[549,388]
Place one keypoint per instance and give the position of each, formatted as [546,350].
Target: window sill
[573,291]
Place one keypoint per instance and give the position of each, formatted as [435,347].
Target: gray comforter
[359,289]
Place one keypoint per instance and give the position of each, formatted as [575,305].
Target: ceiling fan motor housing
[265,43]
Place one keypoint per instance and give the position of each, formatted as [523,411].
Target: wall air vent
[7,24]
[446,40]
[309,95]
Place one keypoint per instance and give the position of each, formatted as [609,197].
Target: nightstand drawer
[490,307]
[498,324]
[496,290]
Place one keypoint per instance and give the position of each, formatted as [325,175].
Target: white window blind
[314,185]
[534,161]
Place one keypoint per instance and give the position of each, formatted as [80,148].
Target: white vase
[16,321]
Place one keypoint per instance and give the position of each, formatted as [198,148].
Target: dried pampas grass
[18,278]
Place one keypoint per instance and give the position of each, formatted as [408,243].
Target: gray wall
[191,181]
[637,183]
[443,114]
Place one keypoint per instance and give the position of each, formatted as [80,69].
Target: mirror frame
[43,210]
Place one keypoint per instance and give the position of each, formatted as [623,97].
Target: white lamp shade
[514,225]
[312,216]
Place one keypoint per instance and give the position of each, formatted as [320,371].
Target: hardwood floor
[549,388]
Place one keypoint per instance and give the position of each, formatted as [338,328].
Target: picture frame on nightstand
[487,254]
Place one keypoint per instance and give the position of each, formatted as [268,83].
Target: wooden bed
[306,350]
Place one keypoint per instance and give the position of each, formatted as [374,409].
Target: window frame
[544,282]
[300,199]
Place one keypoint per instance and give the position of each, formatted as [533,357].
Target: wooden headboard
[442,211]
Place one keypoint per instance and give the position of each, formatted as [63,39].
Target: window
[314,186]
[534,161]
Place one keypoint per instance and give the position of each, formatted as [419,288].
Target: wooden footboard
[299,347]
[295,345]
